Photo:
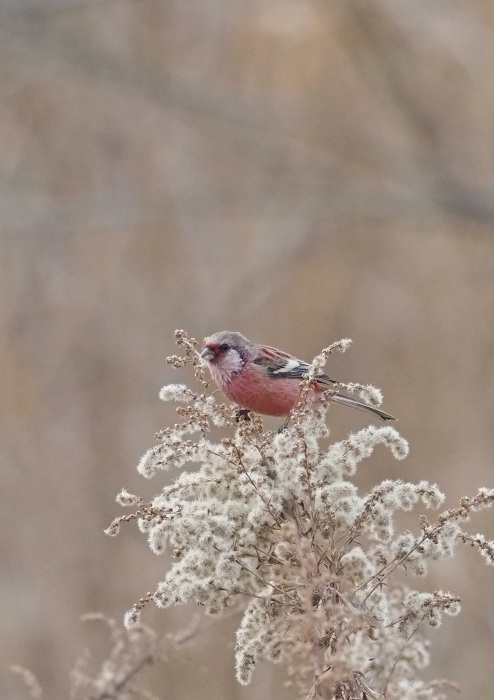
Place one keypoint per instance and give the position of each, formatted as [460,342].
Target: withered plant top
[271,524]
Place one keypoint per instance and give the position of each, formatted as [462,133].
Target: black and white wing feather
[281,365]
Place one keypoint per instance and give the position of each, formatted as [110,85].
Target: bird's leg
[283,427]
[242,414]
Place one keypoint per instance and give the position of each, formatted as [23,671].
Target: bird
[263,379]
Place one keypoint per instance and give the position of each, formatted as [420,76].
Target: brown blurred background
[299,170]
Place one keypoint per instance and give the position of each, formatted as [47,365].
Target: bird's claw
[242,414]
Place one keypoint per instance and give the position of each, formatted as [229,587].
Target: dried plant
[272,522]
[31,683]
[119,675]
[133,650]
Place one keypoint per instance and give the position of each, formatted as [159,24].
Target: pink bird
[263,379]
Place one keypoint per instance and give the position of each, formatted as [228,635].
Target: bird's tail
[353,403]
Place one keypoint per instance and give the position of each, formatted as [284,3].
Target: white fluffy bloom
[261,633]
[343,457]
[371,395]
[430,494]
[125,498]
[146,465]
[176,392]
[356,565]
[367,392]
[484,546]
[206,406]
[340,501]
[132,617]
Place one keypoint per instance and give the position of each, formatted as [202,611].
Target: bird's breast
[255,391]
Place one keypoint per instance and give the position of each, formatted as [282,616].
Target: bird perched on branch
[263,379]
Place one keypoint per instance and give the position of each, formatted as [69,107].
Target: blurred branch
[30,682]
[132,651]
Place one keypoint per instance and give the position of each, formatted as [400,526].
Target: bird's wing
[280,365]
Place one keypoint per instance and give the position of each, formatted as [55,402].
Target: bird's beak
[207,354]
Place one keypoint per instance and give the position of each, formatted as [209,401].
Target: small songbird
[263,379]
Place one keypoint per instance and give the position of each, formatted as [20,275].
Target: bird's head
[226,353]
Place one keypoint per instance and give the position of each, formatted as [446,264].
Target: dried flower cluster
[272,523]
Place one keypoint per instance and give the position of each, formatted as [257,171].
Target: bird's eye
[224,347]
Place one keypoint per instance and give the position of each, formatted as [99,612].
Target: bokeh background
[299,170]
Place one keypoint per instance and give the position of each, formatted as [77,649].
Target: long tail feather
[353,403]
